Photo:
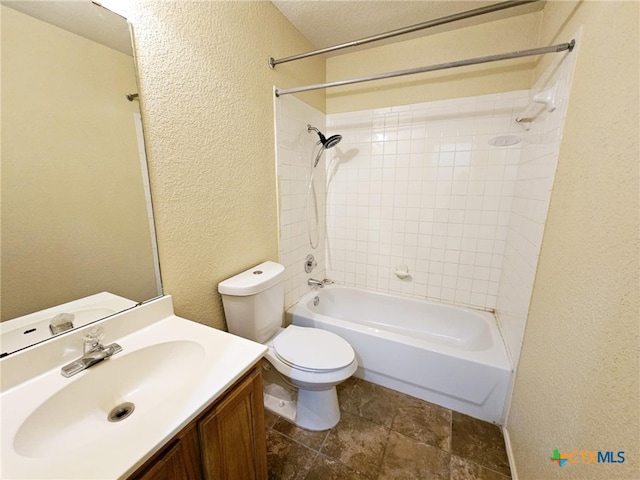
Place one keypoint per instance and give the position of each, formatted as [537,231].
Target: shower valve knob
[310,263]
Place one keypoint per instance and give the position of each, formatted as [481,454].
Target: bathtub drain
[120,412]
[316,301]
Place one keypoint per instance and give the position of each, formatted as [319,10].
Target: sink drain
[120,412]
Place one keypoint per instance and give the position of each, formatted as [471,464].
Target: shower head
[332,141]
[326,142]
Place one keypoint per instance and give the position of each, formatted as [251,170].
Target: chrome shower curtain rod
[402,31]
[561,47]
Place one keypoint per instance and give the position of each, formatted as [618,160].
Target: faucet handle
[93,338]
[96,332]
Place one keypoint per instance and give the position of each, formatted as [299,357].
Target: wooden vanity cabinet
[225,442]
[180,459]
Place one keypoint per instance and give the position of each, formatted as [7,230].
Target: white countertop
[113,450]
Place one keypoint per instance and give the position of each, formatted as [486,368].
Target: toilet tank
[254,301]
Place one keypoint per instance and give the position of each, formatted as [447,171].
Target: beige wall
[577,383]
[207,103]
[74,219]
[516,33]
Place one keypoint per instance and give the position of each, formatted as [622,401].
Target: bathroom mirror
[76,217]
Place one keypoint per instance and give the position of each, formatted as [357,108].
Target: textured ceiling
[323,22]
[327,23]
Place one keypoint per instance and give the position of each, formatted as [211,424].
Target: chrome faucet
[312,282]
[94,352]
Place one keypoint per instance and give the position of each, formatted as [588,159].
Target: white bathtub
[447,355]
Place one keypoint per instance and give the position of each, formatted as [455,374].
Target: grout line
[384,451]
[326,438]
[484,467]
[298,441]
[451,434]
[313,462]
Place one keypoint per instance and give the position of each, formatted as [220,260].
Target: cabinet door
[232,436]
[180,460]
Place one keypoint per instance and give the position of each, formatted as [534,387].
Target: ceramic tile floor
[386,435]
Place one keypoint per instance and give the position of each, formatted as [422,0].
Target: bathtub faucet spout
[312,282]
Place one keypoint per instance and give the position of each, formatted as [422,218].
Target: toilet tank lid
[252,281]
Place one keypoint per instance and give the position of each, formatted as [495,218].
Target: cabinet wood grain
[225,442]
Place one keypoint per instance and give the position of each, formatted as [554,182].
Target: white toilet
[312,360]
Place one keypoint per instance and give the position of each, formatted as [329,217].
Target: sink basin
[106,421]
[78,413]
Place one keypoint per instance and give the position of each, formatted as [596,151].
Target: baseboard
[510,456]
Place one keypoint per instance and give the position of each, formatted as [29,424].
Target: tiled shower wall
[421,187]
[295,151]
[531,198]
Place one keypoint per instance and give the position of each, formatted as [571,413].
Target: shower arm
[322,137]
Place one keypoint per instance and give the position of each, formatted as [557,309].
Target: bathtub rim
[496,356]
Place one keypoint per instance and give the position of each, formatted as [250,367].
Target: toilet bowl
[314,361]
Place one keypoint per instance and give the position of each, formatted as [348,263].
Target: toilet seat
[312,349]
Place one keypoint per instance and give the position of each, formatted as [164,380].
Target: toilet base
[280,400]
[313,410]
[317,409]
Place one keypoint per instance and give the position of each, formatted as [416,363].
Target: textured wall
[577,384]
[516,33]
[207,103]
